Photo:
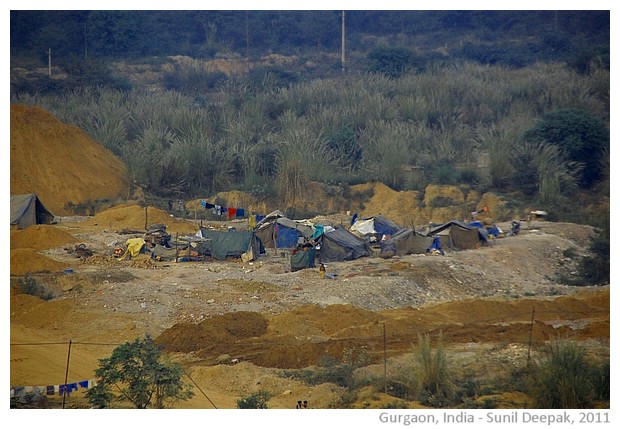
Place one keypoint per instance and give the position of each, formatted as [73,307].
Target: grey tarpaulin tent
[405,242]
[463,236]
[341,245]
[223,244]
[28,210]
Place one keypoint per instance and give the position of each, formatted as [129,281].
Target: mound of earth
[24,261]
[60,163]
[302,336]
[134,217]
[40,237]
[221,330]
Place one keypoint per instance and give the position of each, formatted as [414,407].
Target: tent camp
[239,244]
[338,244]
[276,230]
[405,242]
[374,227]
[460,235]
[28,210]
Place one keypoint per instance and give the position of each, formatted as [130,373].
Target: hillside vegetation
[511,102]
[448,125]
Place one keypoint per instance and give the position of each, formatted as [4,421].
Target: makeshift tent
[376,227]
[28,210]
[303,258]
[238,244]
[405,242]
[281,232]
[462,236]
[338,244]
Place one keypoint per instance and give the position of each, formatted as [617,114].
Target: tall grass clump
[434,381]
[563,378]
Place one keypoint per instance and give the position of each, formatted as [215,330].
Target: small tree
[141,374]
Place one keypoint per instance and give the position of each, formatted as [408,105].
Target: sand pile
[25,261]
[216,334]
[438,203]
[59,162]
[134,217]
[401,207]
[40,237]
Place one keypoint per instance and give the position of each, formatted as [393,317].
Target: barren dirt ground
[271,319]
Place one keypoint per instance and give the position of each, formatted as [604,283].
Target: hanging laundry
[209,205]
[260,217]
[50,390]
[231,212]
[83,384]
[240,212]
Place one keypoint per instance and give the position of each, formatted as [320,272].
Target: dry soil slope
[59,162]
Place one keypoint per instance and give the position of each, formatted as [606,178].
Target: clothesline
[54,389]
[231,211]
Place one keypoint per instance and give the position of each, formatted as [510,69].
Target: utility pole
[247,37]
[342,62]
[85,44]
[49,62]
[384,361]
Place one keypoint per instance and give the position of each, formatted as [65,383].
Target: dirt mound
[25,261]
[59,162]
[40,237]
[438,203]
[134,217]
[302,336]
[216,335]
[313,320]
[398,206]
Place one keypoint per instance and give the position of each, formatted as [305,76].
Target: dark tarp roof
[463,235]
[341,245]
[222,244]
[384,226]
[380,224]
[405,242]
[27,210]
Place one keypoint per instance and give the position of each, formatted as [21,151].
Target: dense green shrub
[391,61]
[595,268]
[563,378]
[580,135]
